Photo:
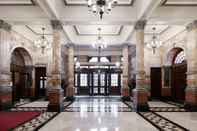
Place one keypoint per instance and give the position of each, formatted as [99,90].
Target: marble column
[191,90]
[55,92]
[125,89]
[5,58]
[140,94]
[70,90]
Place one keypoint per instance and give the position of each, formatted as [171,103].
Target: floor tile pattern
[37,122]
[98,105]
[41,109]
[167,109]
[161,123]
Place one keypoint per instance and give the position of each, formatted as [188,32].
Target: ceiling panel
[16,2]
[93,29]
[84,2]
[180,3]
[37,29]
[159,29]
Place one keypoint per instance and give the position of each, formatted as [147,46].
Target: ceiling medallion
[100,43]
[155,42]
[101,6]
[42,42]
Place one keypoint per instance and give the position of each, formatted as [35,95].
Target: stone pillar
[5,58]
[70,90]
[191,90]
[55,92]
[125,89]
[140,94]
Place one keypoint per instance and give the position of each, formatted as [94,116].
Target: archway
[21,69]
[178,64]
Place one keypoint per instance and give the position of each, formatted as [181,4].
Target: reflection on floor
[109,114]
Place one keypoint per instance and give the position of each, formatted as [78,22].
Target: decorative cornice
[70,45]
[140,25]
[191,26]
[56,25]
[4,25]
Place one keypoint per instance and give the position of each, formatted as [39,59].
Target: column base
[70,93]
[191,99]
[5,97]
[56,99]
[125,94]
[140,100]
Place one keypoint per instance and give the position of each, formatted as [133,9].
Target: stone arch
[24,53]
[21,67]
[171,55]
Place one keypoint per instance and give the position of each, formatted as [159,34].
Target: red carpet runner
[10,120]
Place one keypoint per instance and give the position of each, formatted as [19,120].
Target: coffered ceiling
[80,25]
[16,2]
[93,29]
[180,3]
[84,2]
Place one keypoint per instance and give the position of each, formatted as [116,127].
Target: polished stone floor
[111,114]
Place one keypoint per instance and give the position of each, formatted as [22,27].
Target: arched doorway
[176,57]
[21,69]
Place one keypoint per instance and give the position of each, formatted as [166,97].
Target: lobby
[98,65]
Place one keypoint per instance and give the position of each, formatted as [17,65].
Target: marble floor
[111,114]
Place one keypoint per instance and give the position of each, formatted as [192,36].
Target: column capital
[56,25]
[125,44]
[70,45]
[4,25]
[191,25]
[140,25]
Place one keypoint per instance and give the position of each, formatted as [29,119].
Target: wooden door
[179,82]
[156,82]
[40,75]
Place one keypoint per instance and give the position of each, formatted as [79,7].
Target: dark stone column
[191,90]
[5,75]
[55,92]
[140,94]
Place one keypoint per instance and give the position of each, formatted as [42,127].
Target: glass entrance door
[99,83]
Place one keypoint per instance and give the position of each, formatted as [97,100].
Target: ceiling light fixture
[101,6]
[155,42]
[100,42]
[42,42]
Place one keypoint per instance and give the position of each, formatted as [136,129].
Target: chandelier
[100,42]
[42,42]
[155,42]
[101,6]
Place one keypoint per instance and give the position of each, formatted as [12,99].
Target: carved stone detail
[4,25]
[140,25]
[192,25]
[56,25]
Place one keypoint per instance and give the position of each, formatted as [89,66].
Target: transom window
[102,59]
[180,58]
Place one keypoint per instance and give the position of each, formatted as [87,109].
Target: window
[76,79]
[104,59]
[94,59]
[83,80]
[180,58]
[114,79]
[95,79]
[102,79]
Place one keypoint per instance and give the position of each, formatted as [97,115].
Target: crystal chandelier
[101,6]
[154,43]
[100,42]
[42,42]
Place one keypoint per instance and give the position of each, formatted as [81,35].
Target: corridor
[99,113]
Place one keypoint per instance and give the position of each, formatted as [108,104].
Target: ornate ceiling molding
[66,3]
[167,3]
[28,3]
[95,34]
